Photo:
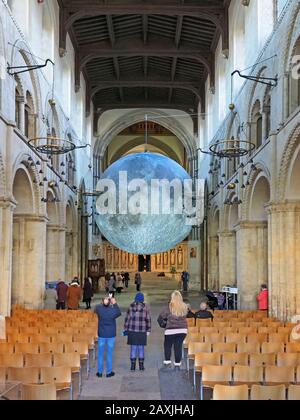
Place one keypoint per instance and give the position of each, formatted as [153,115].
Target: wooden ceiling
[141,53]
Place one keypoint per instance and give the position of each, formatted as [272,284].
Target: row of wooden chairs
[8,348]
[238,338]
[246,375]
[240,330]
[39,392]
[238,324]
[264,348]
[61,377]
[44,338]
[51,331]
[257,393]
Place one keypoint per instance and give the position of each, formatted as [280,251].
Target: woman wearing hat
[137,328]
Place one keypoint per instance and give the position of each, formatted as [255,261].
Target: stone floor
[151,384]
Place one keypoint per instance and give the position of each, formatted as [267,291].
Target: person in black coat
[88,293]
[204,313]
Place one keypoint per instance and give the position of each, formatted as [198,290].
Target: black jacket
[204,315]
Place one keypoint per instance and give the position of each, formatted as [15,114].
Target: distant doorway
[144,263]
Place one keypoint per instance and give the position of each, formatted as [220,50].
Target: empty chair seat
[259,359]
[231,393]
[248,348]
[232,359]
[215,375]
[288,359]
[236,338]
[38,360]
[214,338]
[278,338]
[61,377]
[195,348]
[224,347]
[17,338]
[51,348]
[298,375]
[268,393]
[205,359]
[245,375]
[39,392]
[294,393]
[24,375]
[11,360]
[27,348]
[293,348]
[257,338]
[208,330]
[7,348]
[2,375]
[203,323]
[62,338]
[272,348]
[267,330]
[229,330]
[279,375]
[70,360]
[40,339]
[247,330]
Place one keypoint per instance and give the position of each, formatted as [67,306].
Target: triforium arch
[134,117]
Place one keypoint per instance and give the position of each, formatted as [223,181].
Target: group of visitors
[65,296]
[137,329]
[116,283]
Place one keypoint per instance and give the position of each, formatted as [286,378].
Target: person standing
[174,320]
[138,327]
[112,285]
[88,293]
[127,280]
[61,290]
[107,278]
[120,284]
[263,298]
[138,282]
[50,297]
[107,313]
[204,313]
[74,296]
[185,281]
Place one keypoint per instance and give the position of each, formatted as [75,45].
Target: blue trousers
[102,344]
[137,352]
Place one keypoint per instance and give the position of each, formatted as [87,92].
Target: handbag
[162,322]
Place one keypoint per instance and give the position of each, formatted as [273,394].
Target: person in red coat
[263,298]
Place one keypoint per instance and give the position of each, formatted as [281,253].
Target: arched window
[30,120]
[257,125]
[294,97]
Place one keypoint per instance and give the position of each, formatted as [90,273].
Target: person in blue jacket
[107,313]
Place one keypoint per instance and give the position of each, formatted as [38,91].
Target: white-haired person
[174,320]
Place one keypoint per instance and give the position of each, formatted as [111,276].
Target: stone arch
[135,117]
[23,162]
[260,171]
[260,197]
[293,185]
[252,93]
[290,149]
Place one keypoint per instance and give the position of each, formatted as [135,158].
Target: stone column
[213,280]
[227,258]
[56,253]
[29,261]
[252,261]
[6,225]
[194,265]
[284,260]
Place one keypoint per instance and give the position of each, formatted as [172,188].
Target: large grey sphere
[145,233]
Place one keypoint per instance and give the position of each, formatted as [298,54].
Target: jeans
[102,343]
[175,340]
[137,352]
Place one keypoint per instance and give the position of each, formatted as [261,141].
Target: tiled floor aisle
[151,384]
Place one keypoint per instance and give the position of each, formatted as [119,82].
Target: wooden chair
[61,377]
[288,359]
[257,338]
[11,360]
[268,393]
[40,339]
[83,350]
[24,375]
[69,360]
[272,348]
[39,392]
[7,348]
[224,347]
[246,375]
[214,338]
[248,348]
[231,393]
[2,375]
[293,348]
[38,360]
[215,375]
[294,393]
[17,338]
[205,359]
[51,348]
[191,322]
[279,375]
[279,338]
[258,359]
[191,330]
[195,348]
[208,330]
[62,339]
[27,348]
[236,338]
[267,330]
[203,323]
[221,325]
[229,330]
[232,359]
[285,330]
[247,330]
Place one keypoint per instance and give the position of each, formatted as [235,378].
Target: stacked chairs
[47,347]
[245,350]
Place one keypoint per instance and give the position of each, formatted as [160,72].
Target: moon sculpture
[136,228]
